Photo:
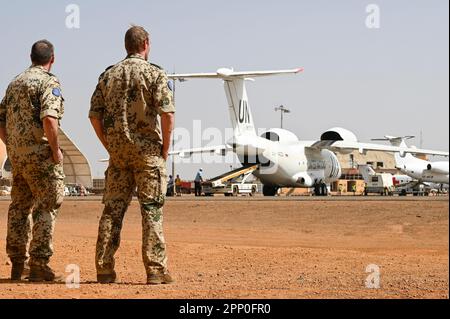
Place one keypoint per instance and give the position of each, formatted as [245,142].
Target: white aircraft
[283,160]
[421,170]
[367,172]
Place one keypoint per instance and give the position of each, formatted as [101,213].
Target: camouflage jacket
[129,97]
[30,97]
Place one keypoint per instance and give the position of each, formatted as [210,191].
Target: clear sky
[392,80]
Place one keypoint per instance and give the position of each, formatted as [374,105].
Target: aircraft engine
[305,180]
[339,134]
[333,170]
[438,167]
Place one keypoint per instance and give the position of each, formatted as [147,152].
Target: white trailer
[377,183]
[380,184]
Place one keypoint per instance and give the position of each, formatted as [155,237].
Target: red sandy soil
[259,249]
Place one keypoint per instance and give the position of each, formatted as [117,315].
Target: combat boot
[107,278]
[159,279]
[17,270]
[26,271]
[43,273]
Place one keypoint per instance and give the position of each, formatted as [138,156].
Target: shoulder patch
[56,92]
[170,84]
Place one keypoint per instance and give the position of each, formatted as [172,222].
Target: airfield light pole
[282,111]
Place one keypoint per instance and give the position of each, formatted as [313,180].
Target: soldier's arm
[167,125]
[163,98]
[51,126]
[3,120]
[97,124]
[52,110]
[52,100]
[96,113]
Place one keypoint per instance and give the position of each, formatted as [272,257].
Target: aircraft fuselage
[290,165]
[421,173]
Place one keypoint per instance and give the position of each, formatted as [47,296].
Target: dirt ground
[252,248]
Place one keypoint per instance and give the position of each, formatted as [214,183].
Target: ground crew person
[125,107]
[170,186]
[30,114]
[198,182]
[341,189]
[178,183]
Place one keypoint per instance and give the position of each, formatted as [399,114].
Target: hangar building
[76,165]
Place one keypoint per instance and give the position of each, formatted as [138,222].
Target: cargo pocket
[152,185]
[160,187]
[48,184]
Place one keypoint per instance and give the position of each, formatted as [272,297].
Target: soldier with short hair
[30,114]
[126,106]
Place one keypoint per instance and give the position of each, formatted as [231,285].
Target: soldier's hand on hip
[58,157]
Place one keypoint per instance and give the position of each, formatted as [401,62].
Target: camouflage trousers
[37,191]
[150,178]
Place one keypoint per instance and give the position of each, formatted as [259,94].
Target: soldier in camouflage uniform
[29,119]
[125,109]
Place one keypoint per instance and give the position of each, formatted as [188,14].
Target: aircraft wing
[345,146]
[217,150]
[213,150]
[229,73]
[193,76]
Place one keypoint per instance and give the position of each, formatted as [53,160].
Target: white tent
[76,165]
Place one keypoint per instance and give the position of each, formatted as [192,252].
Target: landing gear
[270,190]
[320,189]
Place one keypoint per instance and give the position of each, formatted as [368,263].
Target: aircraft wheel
[270,190]
[317,190]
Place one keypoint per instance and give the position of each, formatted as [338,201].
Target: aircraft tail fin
[236,92]
[239,108]
[400,161]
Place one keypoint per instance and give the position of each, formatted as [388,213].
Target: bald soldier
[126,106]
[30,114]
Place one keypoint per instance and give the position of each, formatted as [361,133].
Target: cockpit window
[271,136]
